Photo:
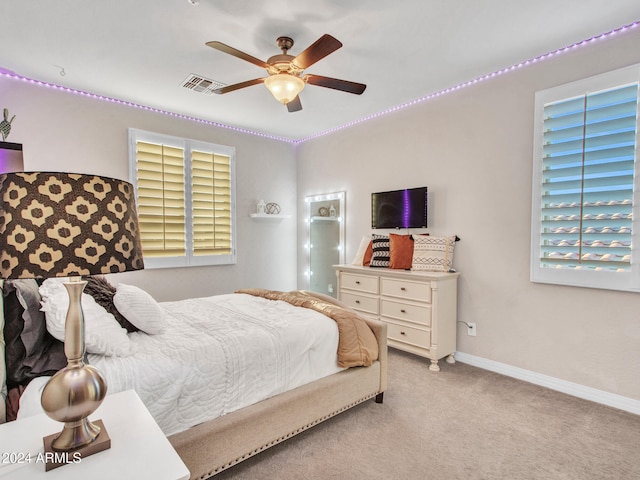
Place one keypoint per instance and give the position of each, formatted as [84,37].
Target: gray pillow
[30,350]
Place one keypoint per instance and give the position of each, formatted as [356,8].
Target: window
[585,184]
[185,192]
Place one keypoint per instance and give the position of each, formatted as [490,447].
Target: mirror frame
[340,197]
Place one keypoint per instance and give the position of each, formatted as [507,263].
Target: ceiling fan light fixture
[284,86]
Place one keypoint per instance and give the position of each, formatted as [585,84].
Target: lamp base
[56,458]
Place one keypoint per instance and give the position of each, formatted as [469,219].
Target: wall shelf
[269,216]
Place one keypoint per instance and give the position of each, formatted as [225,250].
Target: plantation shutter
[211,203]
[588,181]
[161,192]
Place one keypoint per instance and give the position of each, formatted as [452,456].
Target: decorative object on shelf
[272,208]
[69,225]
[5,125]
[332,210]
[261,207]
[323,211]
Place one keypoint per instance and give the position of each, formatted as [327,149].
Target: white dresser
[418,307]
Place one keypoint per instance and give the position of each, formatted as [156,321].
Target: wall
[473,148]
[61,131]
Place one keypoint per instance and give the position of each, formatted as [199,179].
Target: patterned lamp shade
[63,224]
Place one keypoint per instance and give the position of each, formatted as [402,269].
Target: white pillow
[362,249]
[139,308]
[102,333]
[51,286]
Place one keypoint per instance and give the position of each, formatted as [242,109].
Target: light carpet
[460,423]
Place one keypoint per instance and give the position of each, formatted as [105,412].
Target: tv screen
[399,208]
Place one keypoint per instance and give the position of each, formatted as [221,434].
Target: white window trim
[623,281]
[189,260]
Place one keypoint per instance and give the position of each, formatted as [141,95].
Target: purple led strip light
[7,73]
[474,81]
[406,210]
[525,63]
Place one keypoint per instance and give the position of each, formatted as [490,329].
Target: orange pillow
[366,260]
[400,251]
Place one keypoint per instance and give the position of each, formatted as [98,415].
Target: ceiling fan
[286,79]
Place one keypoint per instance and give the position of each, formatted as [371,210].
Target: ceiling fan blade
[336,84]
[317,51]
[294,105]
[237,53]
[238,86]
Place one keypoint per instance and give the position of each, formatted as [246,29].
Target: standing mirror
[325,240]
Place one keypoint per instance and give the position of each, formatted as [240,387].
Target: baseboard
[575,389]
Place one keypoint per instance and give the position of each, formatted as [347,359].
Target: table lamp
[69,225]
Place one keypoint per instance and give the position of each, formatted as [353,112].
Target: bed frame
[213,446]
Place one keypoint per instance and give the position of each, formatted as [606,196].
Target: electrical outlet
[471,329]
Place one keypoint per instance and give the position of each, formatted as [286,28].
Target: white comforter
[217,354]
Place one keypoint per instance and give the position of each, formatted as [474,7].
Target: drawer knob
[357,282]
[402,333]
[402,310]
[357,301]
[402,288]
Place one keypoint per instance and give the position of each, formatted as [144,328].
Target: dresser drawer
[413,336]
[362,283]
[360,302]
[406,289]
[406,311]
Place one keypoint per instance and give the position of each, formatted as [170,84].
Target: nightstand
[139,449]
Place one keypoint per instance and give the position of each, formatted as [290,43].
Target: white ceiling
[141,51]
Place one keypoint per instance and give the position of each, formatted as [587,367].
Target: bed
[308,378]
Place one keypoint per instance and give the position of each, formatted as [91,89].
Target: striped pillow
[381,257]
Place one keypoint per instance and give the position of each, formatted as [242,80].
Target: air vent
[200,84]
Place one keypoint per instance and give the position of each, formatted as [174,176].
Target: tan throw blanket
[357,345]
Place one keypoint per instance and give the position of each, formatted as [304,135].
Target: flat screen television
[399,208]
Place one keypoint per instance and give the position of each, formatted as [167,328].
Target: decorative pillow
[362,248]
[103,292]
[30,350]
[433,254]
[51,286]
[400,251]
[380,258]
[366,260]
[13,401]
[103,335]
[139,308]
